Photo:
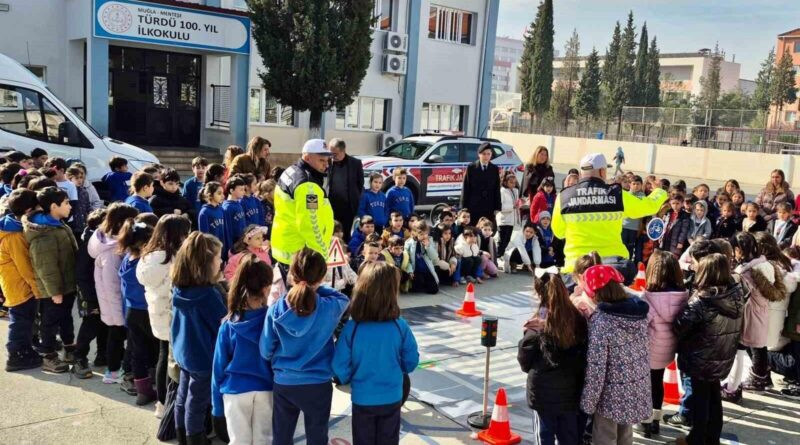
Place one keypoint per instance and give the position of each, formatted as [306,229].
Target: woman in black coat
[553,353]
[537,170]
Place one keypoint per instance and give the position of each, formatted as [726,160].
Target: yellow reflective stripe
[312,214]
[593,217]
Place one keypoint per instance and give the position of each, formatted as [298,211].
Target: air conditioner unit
[396,42]
[386,140]
[394,64]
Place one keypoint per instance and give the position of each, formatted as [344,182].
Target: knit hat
[545,214]
[597,277]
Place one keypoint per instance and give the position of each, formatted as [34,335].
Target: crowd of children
[176,286]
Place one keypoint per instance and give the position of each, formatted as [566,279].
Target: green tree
[587,101]
[525,68]
[782,89]
[639,93]
[761,95]
[611,57]
[622,91]
[652,86]
[542,66]
[315,53]
[710,84]
[567,82]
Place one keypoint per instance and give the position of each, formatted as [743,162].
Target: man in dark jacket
[481,188]
[345,185]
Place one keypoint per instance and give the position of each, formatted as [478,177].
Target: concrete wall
[672,160]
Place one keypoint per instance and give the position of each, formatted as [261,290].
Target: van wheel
[436,212]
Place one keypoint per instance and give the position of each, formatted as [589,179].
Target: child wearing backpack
[298,341]
[52,252]
[197,309]
[375,352]
[241,383]
[153,271]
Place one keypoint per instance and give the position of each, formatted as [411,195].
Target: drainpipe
[477,113]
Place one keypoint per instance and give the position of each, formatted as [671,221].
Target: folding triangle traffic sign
[336,254]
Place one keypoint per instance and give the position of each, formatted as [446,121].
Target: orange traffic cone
[640,282]
[468,307]
[499,432]
[672,393]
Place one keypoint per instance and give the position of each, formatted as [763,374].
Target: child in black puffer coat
[708,332]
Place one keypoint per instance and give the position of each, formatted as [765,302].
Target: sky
[746,29]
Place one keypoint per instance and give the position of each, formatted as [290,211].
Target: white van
[32,116]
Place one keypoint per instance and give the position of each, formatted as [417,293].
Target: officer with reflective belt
[588,216]
[303,213]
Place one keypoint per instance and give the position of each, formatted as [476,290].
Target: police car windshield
[406,150]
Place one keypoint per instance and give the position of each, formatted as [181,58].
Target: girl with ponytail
[298,342]
[554,357]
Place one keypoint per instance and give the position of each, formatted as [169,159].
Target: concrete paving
[39,408]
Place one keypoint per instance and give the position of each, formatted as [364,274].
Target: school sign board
[137,21]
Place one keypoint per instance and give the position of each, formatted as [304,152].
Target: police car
[436,163]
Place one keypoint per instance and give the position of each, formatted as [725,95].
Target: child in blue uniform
[142,188]
[373,202]
[117,180]
[234,213]
[211,219]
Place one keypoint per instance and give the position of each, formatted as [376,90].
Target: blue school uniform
[196,315]
[139,204]
[117,184]
[356,241]
[132,291]
[238,366]
[253,211]
[374,205]
[211,220]
[399,199]
[191,191]
[234,222]
[372,357]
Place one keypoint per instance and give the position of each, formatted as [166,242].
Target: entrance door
[154,97]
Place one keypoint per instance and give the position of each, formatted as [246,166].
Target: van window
[27,113]
[448,152]
[471,152]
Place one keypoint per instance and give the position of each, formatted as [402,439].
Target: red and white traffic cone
[468,307]
[672,392]
[640,282]
[499,431]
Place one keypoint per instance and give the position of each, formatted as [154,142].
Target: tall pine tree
[782,89]
[542,66]
[638,96]
[587,101]
[315,53]
[710,85]
[652,94]
[624,71]
[611,57]
[567,81]
[525,69]
[761,95]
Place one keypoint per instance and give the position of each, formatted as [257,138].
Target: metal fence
[738,130]
[221,106]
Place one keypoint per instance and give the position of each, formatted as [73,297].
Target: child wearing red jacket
[544,200]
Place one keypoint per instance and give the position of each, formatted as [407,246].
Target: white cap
[594,161]
[316,147]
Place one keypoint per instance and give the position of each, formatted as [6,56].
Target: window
[448,152]
[442,117]
[451,25]
[265,109]
[383,14]
[471,152]
[365,113]
[38,71]
[797,46]
[790,116]
[28,113]
[406,150]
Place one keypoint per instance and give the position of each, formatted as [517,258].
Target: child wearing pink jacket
[252,241]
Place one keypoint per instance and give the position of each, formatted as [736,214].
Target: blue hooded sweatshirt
[238,366]
[191,191]
[253,211]
[10,223]
[132,290]
[401,200]
[139,204]
[45,219]
[373,356]
[235,222]
[374,205]
[301,348]
[196,315]
[117,185]
[211,220]
[356,241]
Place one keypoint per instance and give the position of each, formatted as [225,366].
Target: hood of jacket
[10,224]
[40,223]
[624,314]
[188,297]
[662,304]
[250,325]
[766,277]
[728,302]
[700,220]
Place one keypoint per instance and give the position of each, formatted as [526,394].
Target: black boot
[21,360]
[197,439]
[181,436]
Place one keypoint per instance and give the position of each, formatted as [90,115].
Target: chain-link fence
[739,130]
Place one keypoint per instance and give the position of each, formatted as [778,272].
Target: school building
[182,75]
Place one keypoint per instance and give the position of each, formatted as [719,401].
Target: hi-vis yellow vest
[589,217]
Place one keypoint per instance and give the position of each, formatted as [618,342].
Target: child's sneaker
[112,377]
[81,369]
[127,385]
[470,279]
[69,355]
[51,363]
[20,360]
[462,280]
[792,391]
[159,410]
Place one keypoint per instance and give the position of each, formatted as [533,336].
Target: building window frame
[797,46]
[434,116]
[354,117]
[384,15]
[447,25]
[790,116]
[284,115]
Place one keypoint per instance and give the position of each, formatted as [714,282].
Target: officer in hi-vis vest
[303,213]
[588,216]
